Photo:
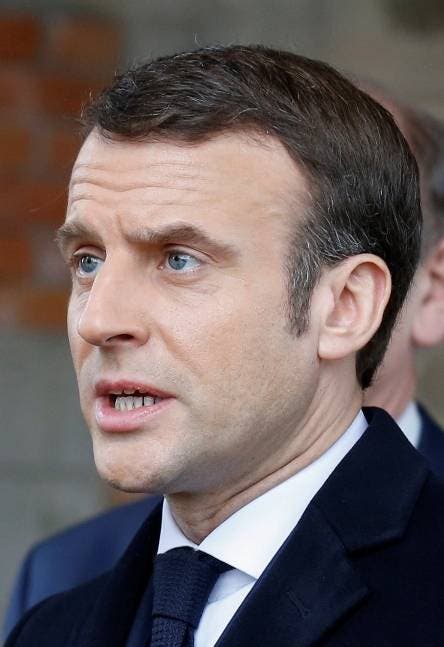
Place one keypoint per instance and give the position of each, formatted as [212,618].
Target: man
[421,323]
[236,220]
[86,550]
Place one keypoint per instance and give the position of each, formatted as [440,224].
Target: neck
[393,392]
[198,513]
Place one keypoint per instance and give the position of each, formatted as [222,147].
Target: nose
[113,314]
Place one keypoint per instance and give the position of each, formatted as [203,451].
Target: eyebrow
[70,232]
[178,233]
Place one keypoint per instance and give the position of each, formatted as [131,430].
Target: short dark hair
[425,136]
[361,174]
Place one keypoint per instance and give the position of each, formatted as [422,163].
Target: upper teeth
[126,391]
[128,402]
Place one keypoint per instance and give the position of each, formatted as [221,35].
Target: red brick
[88,43]
[20,37]
[60,95]
[63,148]
[49,269]
[15,147]
[16,89]
[32,201]
[43,308]
[15,259]
[8,225]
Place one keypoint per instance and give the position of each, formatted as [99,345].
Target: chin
[129,482]
[131,487]
[127,472]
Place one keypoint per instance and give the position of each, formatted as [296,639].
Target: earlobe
[360,288]
[428,323]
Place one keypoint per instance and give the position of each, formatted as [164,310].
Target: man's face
[189,377]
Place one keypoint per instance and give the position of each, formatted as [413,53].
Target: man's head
[333,133]
[421,324]
[234,218]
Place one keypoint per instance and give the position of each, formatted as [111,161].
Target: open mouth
[129,400]
[125,405]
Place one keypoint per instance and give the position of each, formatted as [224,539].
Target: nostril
[121,337]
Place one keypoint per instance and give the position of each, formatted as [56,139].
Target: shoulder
[100,609]
[420,548]
[130,516]
[75,555]
[51,621]
[101,538]
[428,421]
[431,444]
[431,502]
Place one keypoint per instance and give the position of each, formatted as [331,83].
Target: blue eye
[88,265]
[181,262]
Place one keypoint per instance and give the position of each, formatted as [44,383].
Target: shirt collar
[410,423]
[249,538]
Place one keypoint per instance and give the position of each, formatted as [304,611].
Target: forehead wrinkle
[167,183]
[140,195]
[139,177]
[148,194]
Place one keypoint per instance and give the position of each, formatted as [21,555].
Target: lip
[111,420]
[105,387]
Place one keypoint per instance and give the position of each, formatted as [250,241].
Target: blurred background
[53,53]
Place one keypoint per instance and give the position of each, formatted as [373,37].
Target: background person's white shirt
[249,539]
[410,423]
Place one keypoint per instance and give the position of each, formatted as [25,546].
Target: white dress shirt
[250,538]
[410,423]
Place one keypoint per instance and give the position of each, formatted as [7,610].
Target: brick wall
[49,63]
[48,67]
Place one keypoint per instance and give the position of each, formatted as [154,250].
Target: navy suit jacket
[363,567]
[87,550]
[75,555]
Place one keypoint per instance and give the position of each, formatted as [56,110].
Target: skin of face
[178,257]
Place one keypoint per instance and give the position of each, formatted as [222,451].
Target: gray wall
[47,478]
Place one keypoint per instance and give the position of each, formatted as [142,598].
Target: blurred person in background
[421,324]
[89,549]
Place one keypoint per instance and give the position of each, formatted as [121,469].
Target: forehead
[229,175]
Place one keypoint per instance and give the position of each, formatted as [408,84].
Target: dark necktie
[182,582]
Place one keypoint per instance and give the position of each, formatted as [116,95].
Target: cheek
[214,332]
[76,343]
[233,346]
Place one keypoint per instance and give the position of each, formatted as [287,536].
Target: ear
[359,291]
[428,320]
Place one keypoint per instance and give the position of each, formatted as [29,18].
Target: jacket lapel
[111,618]
[305,590]
[313,581]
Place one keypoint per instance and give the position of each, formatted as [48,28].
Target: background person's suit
[363,567]
[74,556]
[431,442]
